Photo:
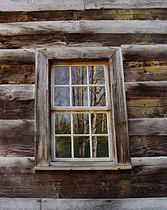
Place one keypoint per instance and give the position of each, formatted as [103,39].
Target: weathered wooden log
[16,137]
[24,5]
[16,73]
[154,70]
[95,4]
[148,146]
[85,26]
[144,52]
[146,89]
[147,107]
[148,126]
[99,14]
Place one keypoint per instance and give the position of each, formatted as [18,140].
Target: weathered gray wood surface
[144,52]
[84,204]
[148,126]
[35,5]
[85,26]
[16,92]
[95,4]
[63,52]
[146,89]
[23,56]
[42,110]
[119,107]
[16,165]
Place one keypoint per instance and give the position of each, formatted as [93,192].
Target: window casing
[45,155]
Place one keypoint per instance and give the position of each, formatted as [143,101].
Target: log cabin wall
[146,83]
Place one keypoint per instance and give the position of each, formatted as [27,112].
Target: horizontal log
[148,126]
[146,89]
[147,107]
[17,138]
[95,4]
[16,165]
[154,70]
[16,73]
[126,204]
[35,5]
[16,92]
[17,109]
[92,184]
[148,146]
[102,14]
[22,56]
[85,26]
[82,40]
[144,52]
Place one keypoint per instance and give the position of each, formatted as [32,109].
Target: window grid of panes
[81,114]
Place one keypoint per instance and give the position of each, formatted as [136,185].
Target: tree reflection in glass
[79,75]
[62,96]
[80,96]
[81,147]
[62,123]
[61,75]
[81,123]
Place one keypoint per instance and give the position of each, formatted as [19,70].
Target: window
[81,120]
[81,112]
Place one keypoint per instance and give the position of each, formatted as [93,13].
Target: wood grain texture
[17,92]
[147,107]
[17,73]
[95,4]
[44,40]
[16,165]
[148,126]
[21,56]
[100,14]
[16,138]
[126,204]
[85,26]
[139,182]
[146,89]
[69,53]
[119,108]
[36,5]
[153,70]
[42,112]
[148,146]
[144,52]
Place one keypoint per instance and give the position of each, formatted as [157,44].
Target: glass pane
[100,146]
[96,75]
[81,123]
[62,123]
[81,147]
[99,123]
[61,75]
[97,96]
[63,147]
[79,75]
[62,96]
[80,96]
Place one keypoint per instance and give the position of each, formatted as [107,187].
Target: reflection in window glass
[81,147]
[79,75]
[63,147]
[100,146]
[99,123]
[61,75]
[97,96]
[81,123]
[62,96]
[79,96]
[96,75]
[62,123]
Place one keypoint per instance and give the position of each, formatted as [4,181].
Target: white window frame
[83,109]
